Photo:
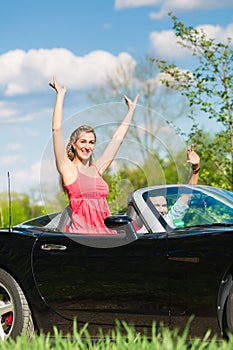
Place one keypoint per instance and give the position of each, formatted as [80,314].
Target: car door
[100,285]
[198,261]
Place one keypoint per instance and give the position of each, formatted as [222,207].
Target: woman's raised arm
[103,162]
[58,138]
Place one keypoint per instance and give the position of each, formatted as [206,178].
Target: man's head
[160,204]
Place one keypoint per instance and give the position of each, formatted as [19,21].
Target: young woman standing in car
[81,176]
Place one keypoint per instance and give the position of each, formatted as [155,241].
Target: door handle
[194,259]
[51,246]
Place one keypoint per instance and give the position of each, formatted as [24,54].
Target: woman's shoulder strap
[99,173]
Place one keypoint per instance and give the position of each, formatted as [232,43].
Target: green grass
[130,340]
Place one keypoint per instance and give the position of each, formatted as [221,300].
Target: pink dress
[89,206]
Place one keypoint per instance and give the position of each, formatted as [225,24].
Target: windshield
[204,206]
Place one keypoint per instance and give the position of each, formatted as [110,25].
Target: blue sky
[79,42]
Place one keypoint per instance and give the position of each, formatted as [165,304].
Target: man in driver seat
[174,216]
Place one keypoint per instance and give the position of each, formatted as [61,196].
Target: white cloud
[164,43]
[12,112]
[12,147]
[173,5]
[24,175]
[26,178]
[164,76]
[191,5]
[216,32]
[180,5]
[24,72]
[11,159]
[120,4]
[6,110]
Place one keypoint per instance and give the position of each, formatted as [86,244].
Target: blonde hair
[70,150]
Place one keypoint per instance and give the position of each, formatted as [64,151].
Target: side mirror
[116,221]
[122,222]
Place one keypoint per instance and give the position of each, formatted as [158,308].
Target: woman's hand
[131,104]
[59,89]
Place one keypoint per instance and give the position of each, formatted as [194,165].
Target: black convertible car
[148,271]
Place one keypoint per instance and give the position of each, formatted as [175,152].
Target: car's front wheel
[15,313]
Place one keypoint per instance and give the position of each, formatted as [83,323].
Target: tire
[229,310]
[15,313]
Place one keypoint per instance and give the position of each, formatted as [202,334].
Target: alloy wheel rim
[6,312]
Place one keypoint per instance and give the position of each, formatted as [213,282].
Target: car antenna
[9,199]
